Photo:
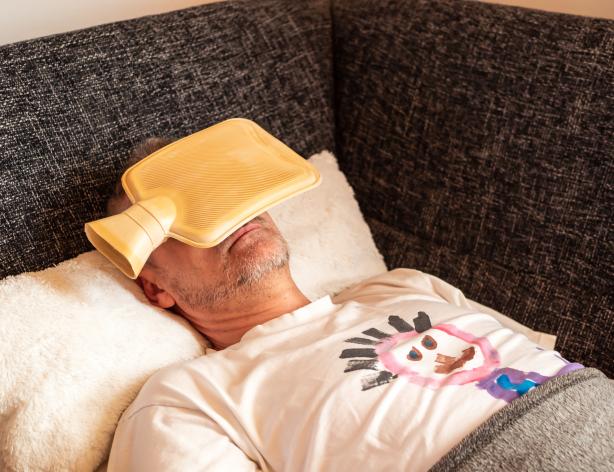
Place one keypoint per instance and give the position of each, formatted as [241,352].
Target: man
[224,290]
[389,375]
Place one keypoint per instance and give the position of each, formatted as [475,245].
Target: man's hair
[139,152]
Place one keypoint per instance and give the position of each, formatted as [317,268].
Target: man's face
[204,278]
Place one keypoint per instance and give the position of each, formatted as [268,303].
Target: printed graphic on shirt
[426,355]
[434,357]
[508,383]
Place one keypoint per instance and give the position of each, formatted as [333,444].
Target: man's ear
[156,295]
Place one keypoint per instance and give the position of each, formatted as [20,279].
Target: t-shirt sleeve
[168,438]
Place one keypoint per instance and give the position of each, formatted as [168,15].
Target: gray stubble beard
[236,283]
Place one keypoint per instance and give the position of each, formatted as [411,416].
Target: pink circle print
[459,376]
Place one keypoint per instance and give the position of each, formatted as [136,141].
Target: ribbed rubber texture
[220,178]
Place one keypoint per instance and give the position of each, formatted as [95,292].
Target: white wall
[598,8]
[25,19]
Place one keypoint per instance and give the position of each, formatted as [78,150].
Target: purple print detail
[507,383]
[569,368]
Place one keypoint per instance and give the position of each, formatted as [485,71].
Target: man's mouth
[246,228]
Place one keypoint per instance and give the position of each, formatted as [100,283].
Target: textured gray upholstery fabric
[72,105]
[480,140]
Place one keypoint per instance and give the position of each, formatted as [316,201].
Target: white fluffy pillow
[79,340]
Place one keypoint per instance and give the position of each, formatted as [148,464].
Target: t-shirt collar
[317,307]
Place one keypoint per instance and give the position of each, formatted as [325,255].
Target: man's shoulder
[173,373]
[166,387]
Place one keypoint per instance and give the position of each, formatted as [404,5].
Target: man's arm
[404,280]
[169,438]
[547,341]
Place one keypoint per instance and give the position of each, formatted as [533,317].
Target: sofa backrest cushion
[72,105]
[479,140]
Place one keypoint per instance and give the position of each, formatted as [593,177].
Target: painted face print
[437,356]
[442,355]
[427,356]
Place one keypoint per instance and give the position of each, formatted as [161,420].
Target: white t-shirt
[387,375]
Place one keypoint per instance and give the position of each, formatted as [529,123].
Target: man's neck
[227,323]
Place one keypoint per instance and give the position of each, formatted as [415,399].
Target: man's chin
[248,268]
[259,259]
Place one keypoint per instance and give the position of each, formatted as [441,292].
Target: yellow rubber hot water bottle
[199,190]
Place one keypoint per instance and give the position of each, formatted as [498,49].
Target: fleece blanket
[564,424]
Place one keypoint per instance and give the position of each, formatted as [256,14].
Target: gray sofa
[479,138]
